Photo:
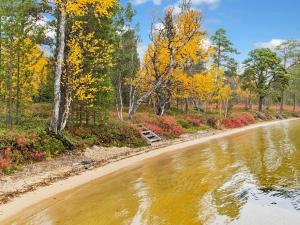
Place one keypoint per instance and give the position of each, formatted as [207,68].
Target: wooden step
[149,136]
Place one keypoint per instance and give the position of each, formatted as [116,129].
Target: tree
[263,71]
[223,48]
[20,36]
[81,55]
[288,52]
[125,57]
[295,82]
[177,42]
[54,124]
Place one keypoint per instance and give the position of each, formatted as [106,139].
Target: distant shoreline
[27,199]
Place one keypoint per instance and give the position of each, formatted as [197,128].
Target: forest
[71,77]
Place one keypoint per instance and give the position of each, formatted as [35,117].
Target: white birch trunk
[54,124]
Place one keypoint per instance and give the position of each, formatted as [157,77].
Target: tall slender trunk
[281,103]
[295,102]
[54,124]
[80,115]
[120,96]
[261,103]
[186,105]
[18,98]
[226,107]
[132,102]
[94,117]
[87,117]
[250,105]
[9,89]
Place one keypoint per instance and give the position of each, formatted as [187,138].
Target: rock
[87,162]
[261,116]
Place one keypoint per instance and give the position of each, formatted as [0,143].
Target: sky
[249,23]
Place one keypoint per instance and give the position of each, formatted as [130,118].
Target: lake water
[249,178]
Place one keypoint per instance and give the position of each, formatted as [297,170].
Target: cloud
[206,43]
[43,22]
[139,2]
[272,44]
[211,3]
[142,50]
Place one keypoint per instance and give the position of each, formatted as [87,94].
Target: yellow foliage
[84,46]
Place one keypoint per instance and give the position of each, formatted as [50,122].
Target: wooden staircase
[149,136]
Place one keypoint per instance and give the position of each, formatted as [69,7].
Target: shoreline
[17,204]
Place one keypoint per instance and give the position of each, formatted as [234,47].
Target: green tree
[295,82]
[20,34]
[288,51]
[263,72]
[125,58]
[223,48]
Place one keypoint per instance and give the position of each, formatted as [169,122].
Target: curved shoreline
[31,198]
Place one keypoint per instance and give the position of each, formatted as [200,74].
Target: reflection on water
[248,178]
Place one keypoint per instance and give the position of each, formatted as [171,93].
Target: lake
[252,177]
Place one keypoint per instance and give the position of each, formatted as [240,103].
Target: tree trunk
[281,103]
[226,108]
[261,103]
[186,105]
[18,99]
[9,89]
[54,124]
[80,115]
[120,102]
[132,102]
[294,102]
[87,117]
[94,117]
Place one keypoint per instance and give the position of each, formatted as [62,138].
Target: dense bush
[20,148]
[238,121]
[109,134]
[165,126]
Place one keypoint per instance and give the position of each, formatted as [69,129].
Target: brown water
[249,178]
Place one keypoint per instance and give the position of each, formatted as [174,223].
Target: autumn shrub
[165,126]
[238,121]
[18,148]
[4,164]
[155,128]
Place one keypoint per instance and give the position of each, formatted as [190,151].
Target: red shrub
[238,121]
[4,163]
[37,156]
[155,128]
[232,123]
[169,126]
[165,126]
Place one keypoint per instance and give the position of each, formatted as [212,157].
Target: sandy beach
[29,198]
